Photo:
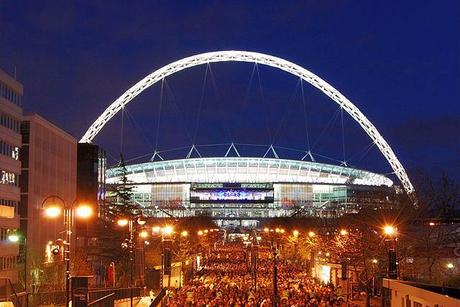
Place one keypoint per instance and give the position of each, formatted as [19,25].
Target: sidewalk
[144,302]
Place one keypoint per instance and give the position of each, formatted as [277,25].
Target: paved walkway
[144,302]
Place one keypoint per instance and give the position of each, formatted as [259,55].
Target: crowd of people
[230,276]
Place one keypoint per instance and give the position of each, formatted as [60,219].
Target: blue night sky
[398,61]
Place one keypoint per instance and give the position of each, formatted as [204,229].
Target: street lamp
[131,222]
[53,206]
[275,251]
[122,222]
[390,233]
[389,230]
[15,237]
[143,234]
[168,230]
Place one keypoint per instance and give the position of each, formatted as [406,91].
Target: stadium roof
[246,170]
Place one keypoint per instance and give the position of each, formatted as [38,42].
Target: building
[404,293]
[11,92]
[49,167]
[244,190]
[93,235]
[91,175]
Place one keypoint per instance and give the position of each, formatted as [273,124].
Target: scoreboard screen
[231,193]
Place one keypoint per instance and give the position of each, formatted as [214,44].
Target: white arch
[264,59]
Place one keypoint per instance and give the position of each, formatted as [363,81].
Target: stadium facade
[244,190]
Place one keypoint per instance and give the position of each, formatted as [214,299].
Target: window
[7,263]
[9,150]
[9,94]
[9,122]
[8,178]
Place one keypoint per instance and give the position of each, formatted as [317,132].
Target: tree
[121,202]
[432,238]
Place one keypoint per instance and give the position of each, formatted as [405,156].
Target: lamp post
[131,222]
[390,233]
[53,206]
[275,252]
[183,234]
[16,237]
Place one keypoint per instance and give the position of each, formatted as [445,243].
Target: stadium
[244,190]
[237,190]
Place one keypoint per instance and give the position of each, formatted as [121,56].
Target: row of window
[8,262]
[9,94]
[9,203]
[10,123]
[9,150]
[9,178]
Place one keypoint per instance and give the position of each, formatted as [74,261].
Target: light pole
[53,206]
[183,234]
[131,222]
[390,233]
[275,252]
[15,237]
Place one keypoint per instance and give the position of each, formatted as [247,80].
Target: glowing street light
[143,234]
[311,234]
[168,230]
[200,232]
[295,233]
[122,222]
[389,230]
[14,238]
[184,233]
[343,232]
[375,261]
[266,229]
[450,265]
[53,211]
[84,211]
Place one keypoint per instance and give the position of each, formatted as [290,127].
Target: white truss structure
[264,59]
[246,170]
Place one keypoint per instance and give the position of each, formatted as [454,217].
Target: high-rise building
[92,236]
[49,168]
[10,167]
